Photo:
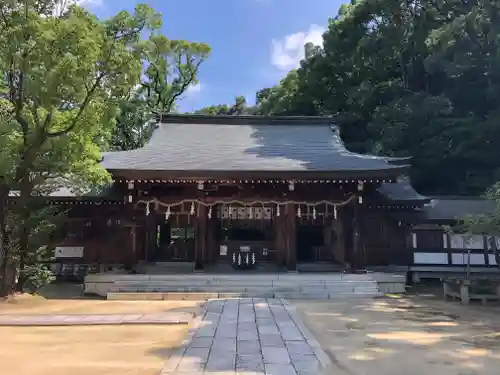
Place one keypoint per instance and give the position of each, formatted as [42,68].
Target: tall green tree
[171,68]
[62,79]
[408,78]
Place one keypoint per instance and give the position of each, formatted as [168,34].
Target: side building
[273,193]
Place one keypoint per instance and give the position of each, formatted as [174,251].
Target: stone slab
[248,336]
[95,319]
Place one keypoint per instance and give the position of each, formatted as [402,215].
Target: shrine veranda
[261,193]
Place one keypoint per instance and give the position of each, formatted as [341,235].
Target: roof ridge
[167,118]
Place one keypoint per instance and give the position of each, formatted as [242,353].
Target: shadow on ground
[411,335]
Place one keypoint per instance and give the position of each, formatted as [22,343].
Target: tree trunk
[24,230]
[7,266]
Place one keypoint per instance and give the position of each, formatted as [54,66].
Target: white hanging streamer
[234,257]
[239,259]
[210,212]
[253,258]
[167,214]
[314,212]
[248,259]
[246,204]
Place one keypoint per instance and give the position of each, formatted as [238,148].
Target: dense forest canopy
[414,78]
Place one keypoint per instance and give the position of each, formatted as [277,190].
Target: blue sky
[254,42]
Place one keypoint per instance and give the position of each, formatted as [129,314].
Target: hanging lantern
[360,200]
[168,213]
[148,211]
[298,212]
[210,212]
[192,209]
[314,212]
[278,210]
[335,212]
[360,185]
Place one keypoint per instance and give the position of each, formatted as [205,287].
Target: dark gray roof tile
[245,143]
[401,191]
[452,208]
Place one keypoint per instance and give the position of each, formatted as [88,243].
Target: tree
[62,79]
[412,77]
[485,224]
[171,68]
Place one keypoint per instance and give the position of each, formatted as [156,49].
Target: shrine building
[266,193]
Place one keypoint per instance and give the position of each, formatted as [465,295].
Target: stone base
[283,285]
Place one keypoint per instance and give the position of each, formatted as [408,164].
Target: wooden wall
[109,235]
[384,240]
[433,246]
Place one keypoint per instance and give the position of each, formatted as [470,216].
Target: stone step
[132,296]
[186,289]
[231,279]
[248,283]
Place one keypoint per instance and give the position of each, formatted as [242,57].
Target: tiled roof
[245,143]
[451,208]
[401,191]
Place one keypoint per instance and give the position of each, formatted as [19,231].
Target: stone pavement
[95,319]
[248,336]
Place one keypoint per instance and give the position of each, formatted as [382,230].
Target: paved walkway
[94,319]
[248,336]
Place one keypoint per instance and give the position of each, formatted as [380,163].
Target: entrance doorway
[174,244]
[310,243]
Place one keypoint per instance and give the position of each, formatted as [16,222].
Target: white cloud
[64,4]
[89,2]
[287,53]
[193,90]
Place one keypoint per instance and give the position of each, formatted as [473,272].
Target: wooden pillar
[212,246]
[279,239]
[133,239]
[291,220]
[358,261]
[150,237]
[200,243]
[291,237]
[337,238]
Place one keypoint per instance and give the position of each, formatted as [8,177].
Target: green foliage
[238,108]
[407,78]
[64,77]
[484,224]
[36,276]
[171,68]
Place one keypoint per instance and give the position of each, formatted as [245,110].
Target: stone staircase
[207,286]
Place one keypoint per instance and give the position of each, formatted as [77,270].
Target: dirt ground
[83,350]
[69,299]
[38,305]
[411,336]
[103,350]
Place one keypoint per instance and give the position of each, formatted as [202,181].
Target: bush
[36,277]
